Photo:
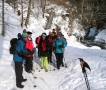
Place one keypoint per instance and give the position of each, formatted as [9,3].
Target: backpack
[37,40]
[13,44]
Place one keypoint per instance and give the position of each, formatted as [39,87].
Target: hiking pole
[49,62]
[33,71]
[36,66]
[54,61]
[34,78]
[83,65]
[86,81]
[65,62]
[29,76]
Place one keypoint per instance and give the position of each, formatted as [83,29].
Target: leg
[30,63]
[18,72]
[57,60]
[50,55]
[61,59]
[42,62]
[27,64]
[46,63]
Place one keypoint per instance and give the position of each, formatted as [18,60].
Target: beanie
[24,31]
[24,35]
[44,34]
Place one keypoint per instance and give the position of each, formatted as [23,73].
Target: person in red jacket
[37,40]
[29,58]
[50,42]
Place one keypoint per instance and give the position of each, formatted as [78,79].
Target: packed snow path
[70,78]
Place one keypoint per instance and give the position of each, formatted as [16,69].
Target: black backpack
[13,43]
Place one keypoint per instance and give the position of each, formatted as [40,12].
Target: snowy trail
[70,78]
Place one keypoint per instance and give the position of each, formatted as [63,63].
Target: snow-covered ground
[70,78]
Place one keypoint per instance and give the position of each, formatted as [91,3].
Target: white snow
[70,78]
[92,32]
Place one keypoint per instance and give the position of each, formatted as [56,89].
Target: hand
[30,52]
[54,48]
[21,53]
[60,46]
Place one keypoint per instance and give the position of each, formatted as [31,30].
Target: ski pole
[86,81]
[49,62]
[36,67]
[54,61]
[83,65]
[65,62]
[29,77]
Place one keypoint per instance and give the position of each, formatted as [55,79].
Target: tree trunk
[43,5]
[22,20]
[3,31]
[28,13]
[33,3]
[81,20]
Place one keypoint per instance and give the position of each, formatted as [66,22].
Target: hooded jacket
[20,48]
[43,47]
[29,45]
[59,42]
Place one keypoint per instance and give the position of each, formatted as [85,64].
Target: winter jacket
[43,47]
[59,44]
[20,48]
[50,41]
[29,45]
[37,40]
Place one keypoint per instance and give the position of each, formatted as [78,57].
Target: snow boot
[20,86]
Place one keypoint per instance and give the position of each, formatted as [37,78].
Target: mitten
[60,46]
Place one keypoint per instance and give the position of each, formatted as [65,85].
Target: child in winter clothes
[59,44]
[44,48]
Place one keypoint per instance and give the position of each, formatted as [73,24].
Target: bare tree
[28,13]
[43,5]
[3,30]
[81,20]
[33,3]
[22,20]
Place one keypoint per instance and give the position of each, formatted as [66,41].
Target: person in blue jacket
[19,58]
[58,46]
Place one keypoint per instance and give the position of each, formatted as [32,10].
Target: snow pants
[50,56]
[59,59]
[29,64]
[18,72]
[44,62]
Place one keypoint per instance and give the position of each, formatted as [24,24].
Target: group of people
[46,44]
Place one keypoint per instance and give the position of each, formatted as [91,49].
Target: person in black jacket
[44,49]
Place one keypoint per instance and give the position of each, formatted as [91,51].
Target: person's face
[58,36]
[25,38]
[29,35]
[43,37]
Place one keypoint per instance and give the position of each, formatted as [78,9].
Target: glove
[30,52]
[21,53]
[54,48]
[60,46]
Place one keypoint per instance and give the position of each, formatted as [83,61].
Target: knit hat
[44,34]
[24,35]
[24,31]
[19,35]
